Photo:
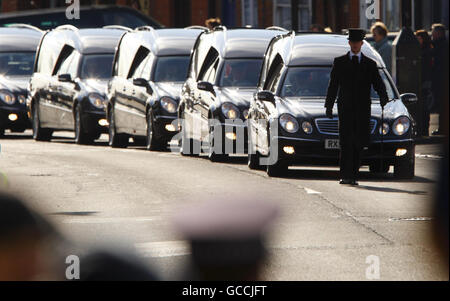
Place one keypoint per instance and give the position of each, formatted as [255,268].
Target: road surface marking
[163,249]
[310,191]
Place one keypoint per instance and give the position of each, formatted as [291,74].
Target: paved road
[98,195]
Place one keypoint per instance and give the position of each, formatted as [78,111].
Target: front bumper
[310,151]
[14,118]
[91,121]
[165,127]
[234,137]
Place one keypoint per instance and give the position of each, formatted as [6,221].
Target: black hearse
[287,121]
[17,51]
[68,87]
[149,67]
[223,74]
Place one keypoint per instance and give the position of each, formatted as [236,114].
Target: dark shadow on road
[75,213]
[386,189]
[16,137]
[67,140]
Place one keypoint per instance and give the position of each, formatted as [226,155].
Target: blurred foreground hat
[227,233]
[356,34]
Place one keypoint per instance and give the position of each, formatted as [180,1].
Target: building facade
[337,14]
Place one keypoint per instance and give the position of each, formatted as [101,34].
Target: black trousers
[350,159]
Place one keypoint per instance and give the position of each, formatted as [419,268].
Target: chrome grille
[328,126]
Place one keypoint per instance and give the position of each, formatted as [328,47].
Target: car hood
[238,96]
[94,85]
[168,89]
[314,108]
[14,84]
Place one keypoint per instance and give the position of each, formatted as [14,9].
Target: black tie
[355,60]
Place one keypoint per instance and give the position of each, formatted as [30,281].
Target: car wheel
[378,168]
[212,155]
[152,143]
[115,140]
[405,169]
[186,144]
[81,137]
[253,156]
[40,134]
[278,169]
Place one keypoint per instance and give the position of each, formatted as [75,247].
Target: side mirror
[65,78]
[409,99]
[266,96]
[142,82]
[205,86]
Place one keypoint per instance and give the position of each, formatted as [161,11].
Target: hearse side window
[147,67]
[273,75]
[63,57]
[139,58]
[69,65]
[208,64]
[46,56]
[210,74]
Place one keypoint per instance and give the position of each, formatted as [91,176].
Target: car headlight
[230,111]
[307,127]
[384,129]
[289,123]
[97,100]
[22,99]
[401,126]
[7,97]
[169,105]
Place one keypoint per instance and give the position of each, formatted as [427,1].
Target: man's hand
[329,113]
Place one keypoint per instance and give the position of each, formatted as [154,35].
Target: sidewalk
[434,125]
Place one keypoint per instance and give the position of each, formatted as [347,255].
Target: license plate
[332,144]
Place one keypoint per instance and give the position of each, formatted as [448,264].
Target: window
[138,62]
[16,63]
[250,13]
[209,61]
[96,66]
[63,61]
[171,69]
[240,73]
[274,75]
[282,14]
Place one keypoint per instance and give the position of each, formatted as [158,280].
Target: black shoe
[436,133]
[354,183]
[345,182]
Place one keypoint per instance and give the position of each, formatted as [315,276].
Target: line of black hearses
[225,91]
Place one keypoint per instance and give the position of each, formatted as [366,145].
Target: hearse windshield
[96,66]
[240,73]
[171,69]
[16,63]
[312,82]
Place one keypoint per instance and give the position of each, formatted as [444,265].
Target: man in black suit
[353,75]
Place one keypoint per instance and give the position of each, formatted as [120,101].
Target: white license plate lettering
[332,144]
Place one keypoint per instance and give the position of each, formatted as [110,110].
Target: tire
[81,137]
[278,169]
[253,159]
[39,133]
[405,169]
[212,155]
[140,141]
[378,168]
[151,142]
[186,144]
[115,140]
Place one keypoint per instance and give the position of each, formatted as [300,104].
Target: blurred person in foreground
[427,63]
[227,239]
[440,74]
[382,45]
[24,238]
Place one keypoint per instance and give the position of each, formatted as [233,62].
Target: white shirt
[351,54]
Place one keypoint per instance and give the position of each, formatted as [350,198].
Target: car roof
[166,42]
[240,43]
[88,41]
[19,39]
[319,49]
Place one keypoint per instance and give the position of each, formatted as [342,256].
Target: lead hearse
[287,122]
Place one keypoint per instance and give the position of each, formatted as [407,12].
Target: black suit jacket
[352,86]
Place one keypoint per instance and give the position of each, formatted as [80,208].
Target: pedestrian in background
[352,76]
[227,239]
[382,45]
[439,73]
[317,28]
[427,64]
[213,22]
